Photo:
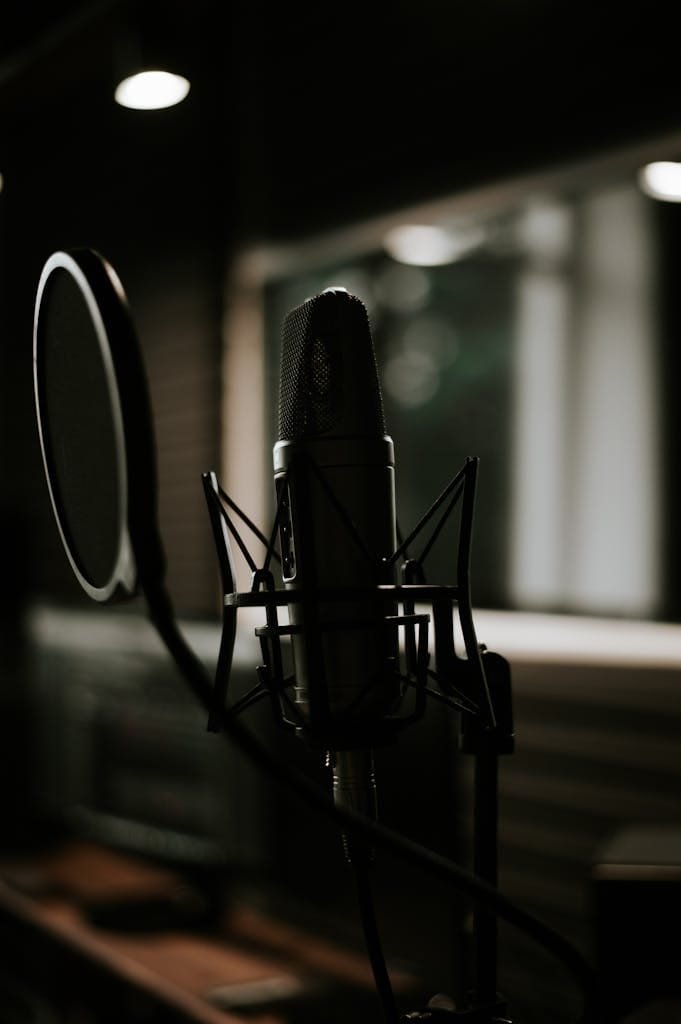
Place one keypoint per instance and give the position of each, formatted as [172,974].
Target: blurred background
[477,175]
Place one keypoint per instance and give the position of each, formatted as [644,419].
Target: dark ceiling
[312,111]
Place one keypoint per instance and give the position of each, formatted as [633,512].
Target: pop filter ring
[138,559]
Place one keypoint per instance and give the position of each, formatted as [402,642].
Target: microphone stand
[482,692]
[487,1006]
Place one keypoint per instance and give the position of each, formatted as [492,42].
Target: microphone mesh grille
[329,381]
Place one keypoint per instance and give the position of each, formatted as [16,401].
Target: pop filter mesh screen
[80,430]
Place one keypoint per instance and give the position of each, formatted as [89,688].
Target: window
[533,343]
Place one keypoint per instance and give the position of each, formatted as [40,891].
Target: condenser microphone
[334,476]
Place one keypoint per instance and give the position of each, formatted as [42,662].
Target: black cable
[373,832]
[361,867]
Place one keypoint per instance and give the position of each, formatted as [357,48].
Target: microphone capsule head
[328,384]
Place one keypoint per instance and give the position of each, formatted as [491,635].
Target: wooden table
[251,965]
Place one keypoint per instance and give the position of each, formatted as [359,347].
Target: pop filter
[95,426]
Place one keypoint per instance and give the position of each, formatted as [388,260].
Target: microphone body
[343,671]
[335,478]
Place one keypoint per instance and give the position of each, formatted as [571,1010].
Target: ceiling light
[151,90]
[427,245]
[662,180]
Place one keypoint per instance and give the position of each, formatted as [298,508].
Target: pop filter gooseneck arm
[96,436]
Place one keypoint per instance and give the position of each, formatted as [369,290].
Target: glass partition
[532,325]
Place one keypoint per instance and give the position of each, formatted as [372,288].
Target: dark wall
[150,194]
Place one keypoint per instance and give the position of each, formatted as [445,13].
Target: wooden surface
[251,963]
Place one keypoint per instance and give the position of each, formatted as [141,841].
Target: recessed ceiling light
[151,90]
[662,180]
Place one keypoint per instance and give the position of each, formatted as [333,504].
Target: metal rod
[485,865]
